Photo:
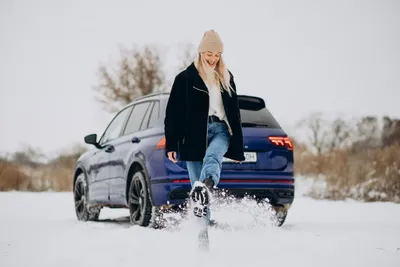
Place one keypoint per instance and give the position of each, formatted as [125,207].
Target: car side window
[154,114]
[146,118]
[114,129]
[136,118]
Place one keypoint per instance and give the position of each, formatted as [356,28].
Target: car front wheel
[140,207]
[83,213]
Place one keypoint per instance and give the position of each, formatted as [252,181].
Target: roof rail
[150,95]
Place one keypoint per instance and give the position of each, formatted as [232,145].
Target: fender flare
[79,166]
[139,160]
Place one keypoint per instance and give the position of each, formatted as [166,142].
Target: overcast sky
[337,57]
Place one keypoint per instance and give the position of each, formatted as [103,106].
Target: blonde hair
[221,73]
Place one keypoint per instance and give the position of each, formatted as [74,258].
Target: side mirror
[91,139]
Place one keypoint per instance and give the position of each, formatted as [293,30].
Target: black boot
[209,182]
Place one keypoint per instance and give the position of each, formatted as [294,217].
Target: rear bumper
[175,191]
[275,195]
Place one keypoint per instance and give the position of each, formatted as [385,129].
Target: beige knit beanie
[211,42]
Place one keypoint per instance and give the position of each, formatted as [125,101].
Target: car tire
[83,213]
[140,206]
[280,214]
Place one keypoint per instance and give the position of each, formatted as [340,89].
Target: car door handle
[110,149]
[135,140]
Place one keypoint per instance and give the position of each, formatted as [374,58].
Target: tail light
[281,141]
[160,144]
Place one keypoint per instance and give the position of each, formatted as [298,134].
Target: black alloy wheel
[140,207]
[83,213]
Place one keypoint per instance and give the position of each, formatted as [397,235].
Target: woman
[203,123]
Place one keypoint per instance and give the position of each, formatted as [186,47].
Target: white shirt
[216,105]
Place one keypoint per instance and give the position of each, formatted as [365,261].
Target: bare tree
[69,156]
[339,135]
[139,73]
[391,131]
[366,134]
[368,128]
[187,55]
[315,127]
[326,135]
[29,156]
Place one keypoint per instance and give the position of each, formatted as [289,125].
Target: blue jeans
[218,143]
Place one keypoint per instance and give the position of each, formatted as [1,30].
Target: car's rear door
[127,146]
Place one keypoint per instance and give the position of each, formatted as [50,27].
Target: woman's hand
[172,156]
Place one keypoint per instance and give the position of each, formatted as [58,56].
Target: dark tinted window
[115,127]
[255,114]
[136,117]
[154,114]
[147,117]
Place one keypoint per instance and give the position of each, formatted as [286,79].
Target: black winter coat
[186,118]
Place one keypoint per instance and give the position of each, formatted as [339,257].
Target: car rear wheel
[280,214]
[140,207]
[277,213]
[83,213]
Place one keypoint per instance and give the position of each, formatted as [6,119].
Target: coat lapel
[197,80]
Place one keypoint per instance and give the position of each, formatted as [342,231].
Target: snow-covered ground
[40,229]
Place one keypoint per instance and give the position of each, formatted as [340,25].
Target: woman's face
[212,58]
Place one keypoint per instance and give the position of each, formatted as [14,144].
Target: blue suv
[128,168]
